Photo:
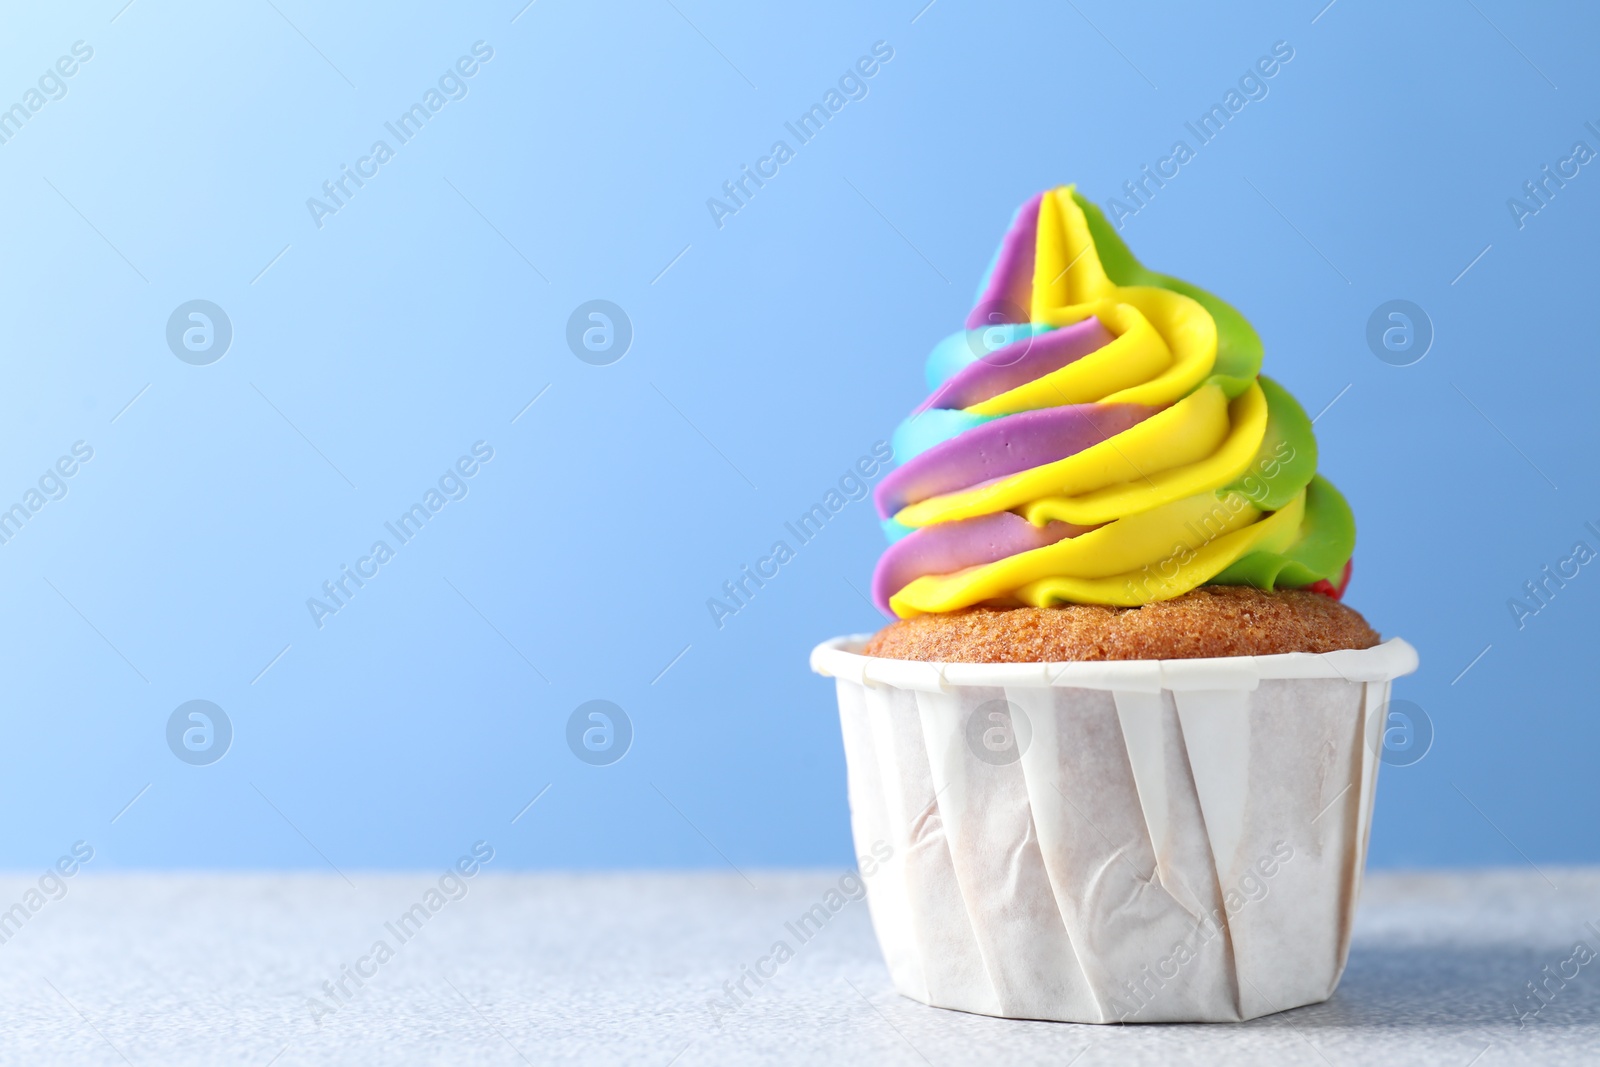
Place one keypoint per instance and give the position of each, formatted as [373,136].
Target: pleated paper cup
[1135,841]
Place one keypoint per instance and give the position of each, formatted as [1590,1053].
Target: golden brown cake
[1208,621]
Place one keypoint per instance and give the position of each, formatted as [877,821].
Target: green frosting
[1287,459]
[1327,536]
[1238,345]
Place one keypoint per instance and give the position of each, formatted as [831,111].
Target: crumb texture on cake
[1213,620]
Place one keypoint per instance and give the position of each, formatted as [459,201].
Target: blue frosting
[893,530]
[964,347]
[921,432]
[947,357]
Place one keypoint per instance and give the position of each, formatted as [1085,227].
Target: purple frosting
[1003,447]
[1009,295]
[1019,363]
[952,546]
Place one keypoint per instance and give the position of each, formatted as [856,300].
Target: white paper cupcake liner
[1138,841]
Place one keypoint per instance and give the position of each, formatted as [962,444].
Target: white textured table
[601,969]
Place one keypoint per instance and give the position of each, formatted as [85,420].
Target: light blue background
[416,322]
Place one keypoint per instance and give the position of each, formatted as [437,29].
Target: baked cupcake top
[1099,433]
[1213,620]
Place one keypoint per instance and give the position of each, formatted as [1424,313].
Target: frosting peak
[1100,433]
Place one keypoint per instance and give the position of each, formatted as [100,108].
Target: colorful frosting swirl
[1099,434]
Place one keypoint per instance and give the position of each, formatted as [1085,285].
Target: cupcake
[1121,741]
